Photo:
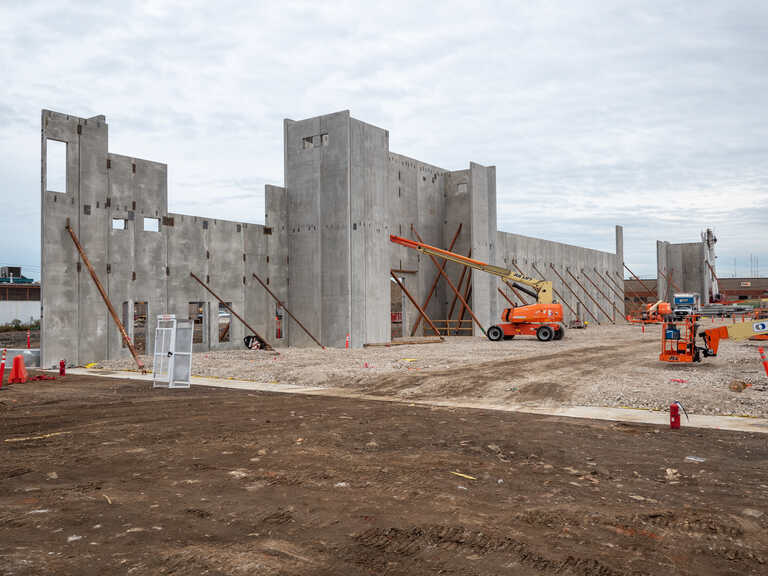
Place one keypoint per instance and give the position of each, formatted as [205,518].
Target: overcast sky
[653,115]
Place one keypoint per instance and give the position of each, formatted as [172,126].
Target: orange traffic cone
[18,371]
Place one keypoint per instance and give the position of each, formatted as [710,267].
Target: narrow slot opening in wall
[225,322]
[278,322]
[152,224]
[140,316]
[126,308]
[56,166]
[197,315]
[118,223]
[323,139]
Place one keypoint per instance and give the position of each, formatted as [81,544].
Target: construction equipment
[760,314]
[678,338]
[540,319]
[653,313]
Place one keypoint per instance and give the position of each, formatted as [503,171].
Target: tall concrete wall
[683,268]
[324,249]
[107,200]
[570,268]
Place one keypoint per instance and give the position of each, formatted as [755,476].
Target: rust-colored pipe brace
[638,279]
[533,264]
[453,287]
[104,297]
[443,264]
[461,283]
[506,297]
[573,292]
[619,296]
[279,303]
[610,319]
[419,308]
[603,295]
[267,345]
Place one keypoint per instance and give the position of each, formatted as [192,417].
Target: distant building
[19,296]
[644,291]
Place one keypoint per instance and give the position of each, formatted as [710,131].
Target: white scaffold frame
[172,360]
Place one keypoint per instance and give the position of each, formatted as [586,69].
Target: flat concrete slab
[31,356]
[734,423]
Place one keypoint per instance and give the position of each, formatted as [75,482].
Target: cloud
[646,114]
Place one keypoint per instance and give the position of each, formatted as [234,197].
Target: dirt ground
[614,366]
[104,476]
[18,339]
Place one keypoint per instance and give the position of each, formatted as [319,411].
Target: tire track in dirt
[548,376]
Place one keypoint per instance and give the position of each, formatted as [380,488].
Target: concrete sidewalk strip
[733,423]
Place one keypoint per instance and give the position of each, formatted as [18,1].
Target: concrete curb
[637,416]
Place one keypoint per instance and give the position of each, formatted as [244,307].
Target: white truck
[685,304]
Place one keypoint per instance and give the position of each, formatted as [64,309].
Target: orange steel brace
[517,293]
[619,296]
[267,345]
[282,305]
[111,309]
[505,297]
[467,294]
[603,295]
[668,279]
[590,296]
[638,279]
[421,311]
[533,265]
[448,280]
[461,283]
[443,264]
[573,292]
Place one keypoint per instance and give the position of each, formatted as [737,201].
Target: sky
[648,114]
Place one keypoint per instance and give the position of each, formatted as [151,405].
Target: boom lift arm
[539,289]
[739,331]
[540,319]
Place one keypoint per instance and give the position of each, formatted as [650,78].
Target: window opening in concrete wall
[307,142]
[461,188]
[56,166]
[140,316]
[197,315]
[152,224]
[278,322]
[225,322]
[323,139]
[118,223]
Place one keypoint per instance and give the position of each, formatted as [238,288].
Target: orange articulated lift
[760,314]
[653,313]
[678,338]
[541,319]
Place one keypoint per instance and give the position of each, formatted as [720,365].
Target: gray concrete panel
[59,258]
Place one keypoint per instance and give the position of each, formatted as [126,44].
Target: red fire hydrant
[63,368]
[674,416]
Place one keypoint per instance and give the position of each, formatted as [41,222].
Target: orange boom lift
[540,319]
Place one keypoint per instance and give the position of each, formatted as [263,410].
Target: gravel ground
[599,366]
